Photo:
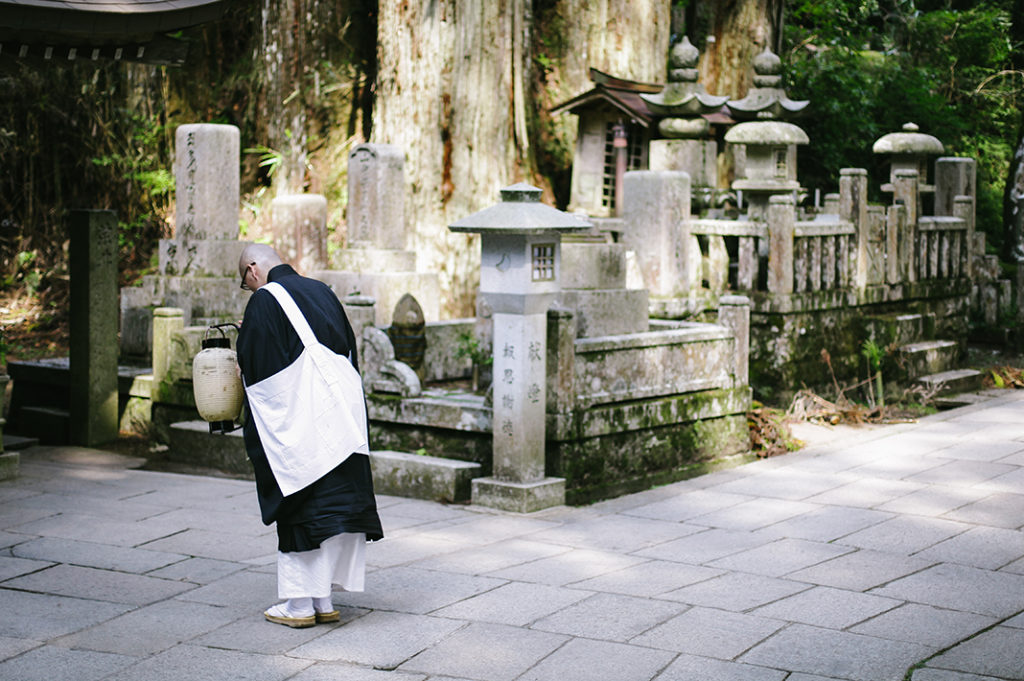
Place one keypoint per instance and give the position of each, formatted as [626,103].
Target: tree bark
[741,29]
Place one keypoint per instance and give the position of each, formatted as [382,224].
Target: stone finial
[683,101]
[767,99]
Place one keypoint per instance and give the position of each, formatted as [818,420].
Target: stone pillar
[963,208]
[905,191]
[734,313]
[167,322]
[94,319]
[656,210]
[781,226]
[300,230]
[953,177]
[853,207]
[376,210]
[561,362]
[897,251]
[361,312]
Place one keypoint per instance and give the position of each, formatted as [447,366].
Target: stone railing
[821,255]
[942,248]
[708,238]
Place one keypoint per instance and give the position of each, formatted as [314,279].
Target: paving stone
[245,591]
[41,664]
[826,524]
[981,450]
[904,535]
[9,647]
[382,640]
[861,570]
[247,524]
[998,510]
[335,671]
[836,654]
[197,570]
[780,557]
[41,617]
[486,651]
[102,506]
[996,652]
[710,633]
[116,532]
[197,663]
[399,550]
[691,667]
[783,484]
[151,629]
[826,607]
[484,559]
[736,591]
[489,529]
[983,547]
[897,467]
[103,585]
[689,505]
[754,514]
[934,501]
[927,674]
[652,578]
[962,473]
[92,554]
[958,587]
[924,624]
[615,533]
[12,515]
[217,545]
[705,546]
[583,660]
[14,567]
[566,568]
[410,590]
[609,617]
[254,634]
[866,492]
[1008,482]
[517,604]
[1016,622]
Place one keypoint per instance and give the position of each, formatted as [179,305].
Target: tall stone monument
[376,261]
[198,266]
[519,279]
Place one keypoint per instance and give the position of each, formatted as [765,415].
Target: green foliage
[470,346]
[868,67]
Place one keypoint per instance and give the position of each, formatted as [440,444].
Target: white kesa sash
[311,415]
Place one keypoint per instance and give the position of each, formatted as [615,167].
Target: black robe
[342,500]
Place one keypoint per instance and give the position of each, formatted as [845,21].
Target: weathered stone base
[519,497]
[422,477]
[192,443]
[9,464]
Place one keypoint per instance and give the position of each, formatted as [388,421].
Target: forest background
[464,87]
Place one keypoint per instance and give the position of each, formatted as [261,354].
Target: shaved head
[260,258]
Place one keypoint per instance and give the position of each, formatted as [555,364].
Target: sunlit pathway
[854,559]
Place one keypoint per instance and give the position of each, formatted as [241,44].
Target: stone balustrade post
[906,191]
[964,208]
[781,226]
[953,177]
[734,313]
[899,259]
[561,361]
[853,207]
[167,322]
[361,312]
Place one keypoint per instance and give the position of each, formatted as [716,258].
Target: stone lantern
[520,260]
[769,166]
[909,149]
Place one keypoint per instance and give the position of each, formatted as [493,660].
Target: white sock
[323,604]
[299,607]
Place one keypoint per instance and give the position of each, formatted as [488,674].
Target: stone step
[927,357]
[952,382]
[898,328]
[399,474]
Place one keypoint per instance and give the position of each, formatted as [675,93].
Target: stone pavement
[887,553]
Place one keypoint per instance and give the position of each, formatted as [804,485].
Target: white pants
[340,561]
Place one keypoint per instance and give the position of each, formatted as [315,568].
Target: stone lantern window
[543,262]
[780,162]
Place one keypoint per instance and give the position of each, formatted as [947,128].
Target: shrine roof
[94,29]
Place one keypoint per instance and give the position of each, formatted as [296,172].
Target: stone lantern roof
[767,99]
[520,212]
[683,96]
[766,133]
[908,142]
